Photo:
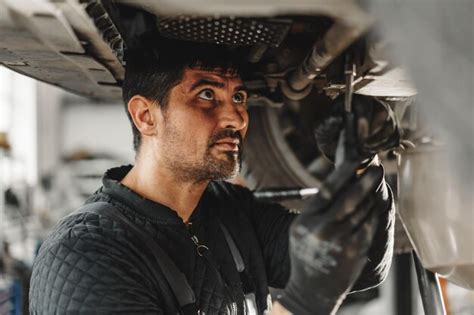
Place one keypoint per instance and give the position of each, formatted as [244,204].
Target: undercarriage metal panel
[37,40]
[68,44]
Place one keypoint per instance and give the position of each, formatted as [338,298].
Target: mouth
[228,144]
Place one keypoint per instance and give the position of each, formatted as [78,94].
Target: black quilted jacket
[90,264]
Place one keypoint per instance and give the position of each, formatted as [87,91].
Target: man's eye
[238,98]
[206,95]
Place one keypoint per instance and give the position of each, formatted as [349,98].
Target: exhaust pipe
[350,24]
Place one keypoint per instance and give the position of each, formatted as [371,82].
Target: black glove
[381,251]
[330,239]
[375,123]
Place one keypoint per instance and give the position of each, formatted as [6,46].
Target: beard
[220,169]
[213,165]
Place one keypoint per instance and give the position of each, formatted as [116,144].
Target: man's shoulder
[85,235]
[87,222]
[86,256]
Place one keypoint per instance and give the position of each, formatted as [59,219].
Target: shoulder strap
[175,278]
[239,262]
[247,284]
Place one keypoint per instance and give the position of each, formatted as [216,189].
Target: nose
[233,116]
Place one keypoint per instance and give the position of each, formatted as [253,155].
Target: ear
[141,110]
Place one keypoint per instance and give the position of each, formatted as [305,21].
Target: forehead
[191,76]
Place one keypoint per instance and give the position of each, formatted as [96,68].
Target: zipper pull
[195,240]
[199,247]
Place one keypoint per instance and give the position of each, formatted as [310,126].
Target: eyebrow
[210,82]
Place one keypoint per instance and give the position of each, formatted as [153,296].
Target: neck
[159,184]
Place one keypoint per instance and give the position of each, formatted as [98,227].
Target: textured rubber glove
[375,123]
[330,239]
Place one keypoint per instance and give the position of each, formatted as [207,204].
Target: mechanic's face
[203,126]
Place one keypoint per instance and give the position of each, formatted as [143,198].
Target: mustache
[225,133]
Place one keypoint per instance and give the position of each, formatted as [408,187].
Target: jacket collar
[157,211]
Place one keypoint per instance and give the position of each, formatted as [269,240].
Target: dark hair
[157,65]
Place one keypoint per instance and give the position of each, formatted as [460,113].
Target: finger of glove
[363,128]
[331,187]
[374,111]
[329,129]
[371,110]
[365,233]
[387,133]
[355,220]
[384,141]
[327,135]
[358,235]
[349,225]
[392,143]
[335,183]
[349,200]
[379,119]
[382,130]
[364,106]
[362,241]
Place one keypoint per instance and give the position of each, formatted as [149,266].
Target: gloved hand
[330,239]
[375,123]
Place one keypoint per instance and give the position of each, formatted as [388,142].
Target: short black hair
[157,64]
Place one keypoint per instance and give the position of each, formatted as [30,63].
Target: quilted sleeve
[89,275]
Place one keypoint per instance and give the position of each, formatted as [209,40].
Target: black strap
[247,283]
[175,278]
[239,262]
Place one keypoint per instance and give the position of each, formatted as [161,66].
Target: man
[187,105]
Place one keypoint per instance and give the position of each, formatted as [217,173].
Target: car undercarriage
[297,53]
